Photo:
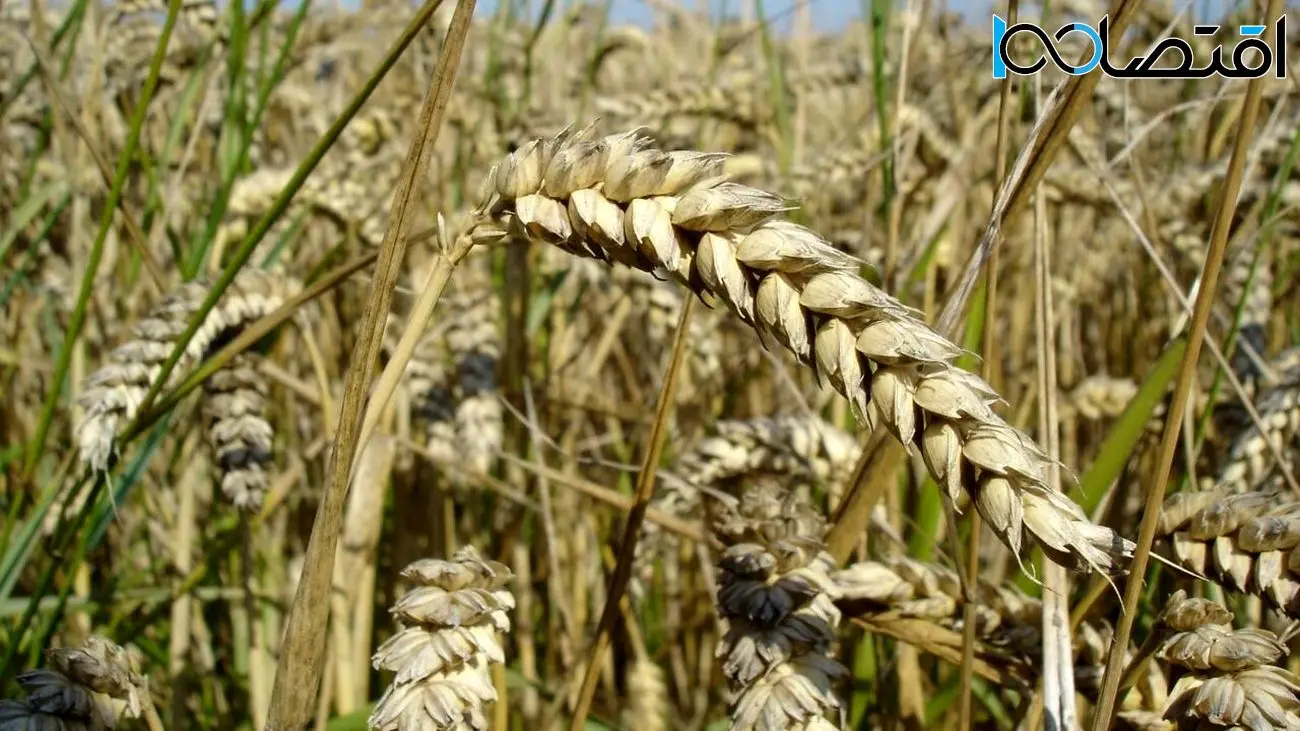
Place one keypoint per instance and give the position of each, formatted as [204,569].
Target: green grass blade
[78,318]
[1128,429]
[27,211]
[281,204]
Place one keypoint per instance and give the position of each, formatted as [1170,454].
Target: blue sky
[829,15]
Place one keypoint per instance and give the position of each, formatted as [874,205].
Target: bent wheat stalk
[618,200]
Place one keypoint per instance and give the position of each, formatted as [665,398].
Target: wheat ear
[87,688]
[618,200]
[777,598]
[1100,397]
[915,589]
[449,640]
[1232,680]
[1008,623]
[1249,542]
[474,343]
[112,394]
[647,690]
[237,428]
[1249,463]
[804,447]
[452,373]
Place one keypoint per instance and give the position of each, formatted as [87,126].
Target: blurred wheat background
[597,365]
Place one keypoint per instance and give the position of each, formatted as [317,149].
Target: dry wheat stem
[299,670]
[618,200]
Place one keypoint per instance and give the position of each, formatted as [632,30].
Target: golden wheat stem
[452,253]
[1227,206]
[645,482]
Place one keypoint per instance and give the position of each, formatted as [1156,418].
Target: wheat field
[423,369]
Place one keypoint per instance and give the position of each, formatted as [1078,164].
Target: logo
[1143,67]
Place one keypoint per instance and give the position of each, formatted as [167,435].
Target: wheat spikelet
[840,175]
[442,656]
[238,430]
[87,688]
[1193,182]
[452,373]
[777,598]
[655,108]
[1232,680]
[1248,542]
[1008,624]
[915,589]
[474,344]
[131,31]
[618,200]
[820,78]
[1257,305]
[341,190]
[791,444]
[425,379]
[1142,705]
[112,394]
